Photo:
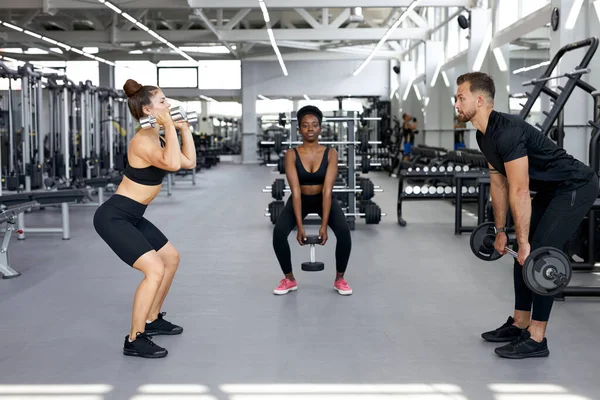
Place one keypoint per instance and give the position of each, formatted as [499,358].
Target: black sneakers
[506,333]
[161,326]
[143,346]
[524,347]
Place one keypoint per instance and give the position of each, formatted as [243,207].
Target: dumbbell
[312,265]
[547,271]
[177,114]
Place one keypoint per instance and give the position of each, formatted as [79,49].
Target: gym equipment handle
[576,71]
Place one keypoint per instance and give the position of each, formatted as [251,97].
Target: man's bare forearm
[499,203]
[520,204]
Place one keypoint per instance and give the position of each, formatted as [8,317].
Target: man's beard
[466,116]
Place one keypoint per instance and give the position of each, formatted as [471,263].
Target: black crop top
[311,178]
[149,176]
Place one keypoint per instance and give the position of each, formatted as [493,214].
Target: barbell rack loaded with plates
[365,165]
[366,189]
[363,142]
[372,213]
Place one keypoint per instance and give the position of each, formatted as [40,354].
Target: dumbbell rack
[349,174]
[459,192]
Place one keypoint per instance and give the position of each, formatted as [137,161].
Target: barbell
[177,114]
[547,271]
[372,212]
[363,142]
[365,165]
[365,188]
[283,119]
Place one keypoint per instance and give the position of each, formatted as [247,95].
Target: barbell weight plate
[364,142]
[365,164]
[368,189]
[482,242]
[277,189]
[373,214]
[281,165]
[278,145]
[537,266]
[276,210]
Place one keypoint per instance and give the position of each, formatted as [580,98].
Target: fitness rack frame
[590,265]
[560,99]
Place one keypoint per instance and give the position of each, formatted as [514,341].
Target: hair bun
[131,87]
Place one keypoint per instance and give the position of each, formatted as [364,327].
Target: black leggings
[121,224]
[287,221]
[555,216]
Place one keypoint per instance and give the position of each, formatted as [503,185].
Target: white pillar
[249,118]
[434,121]
[578,108]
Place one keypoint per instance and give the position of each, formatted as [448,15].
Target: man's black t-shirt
[508,138]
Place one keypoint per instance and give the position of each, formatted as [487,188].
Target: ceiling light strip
[267,19]
[55,42]
[385,37]
[148,30]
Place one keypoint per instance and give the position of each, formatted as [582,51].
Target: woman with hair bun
[120,220]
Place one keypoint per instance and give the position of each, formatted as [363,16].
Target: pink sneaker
[342,287]
[285,286]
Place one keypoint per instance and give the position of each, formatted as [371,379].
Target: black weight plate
[281,165]
[482,242]
[364,142]
[373,214]
[277,189]
[276,208]
[365,164]
[368,189]
[278,145]
[537,266]
[313,267]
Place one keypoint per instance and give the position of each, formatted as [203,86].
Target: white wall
[318,78]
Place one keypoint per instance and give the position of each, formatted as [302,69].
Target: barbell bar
[327,142]
[346,190]
[177,114]
[335,187]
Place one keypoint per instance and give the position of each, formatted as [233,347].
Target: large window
[144,72]
[225,109]
[223,74]
[178,77]
[453,36]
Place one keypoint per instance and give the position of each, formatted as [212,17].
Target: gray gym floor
[411,330]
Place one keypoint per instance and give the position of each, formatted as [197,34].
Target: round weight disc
[313,267]
[537,266]
[482,242]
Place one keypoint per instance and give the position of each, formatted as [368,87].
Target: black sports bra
[311,178]
[149,176]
